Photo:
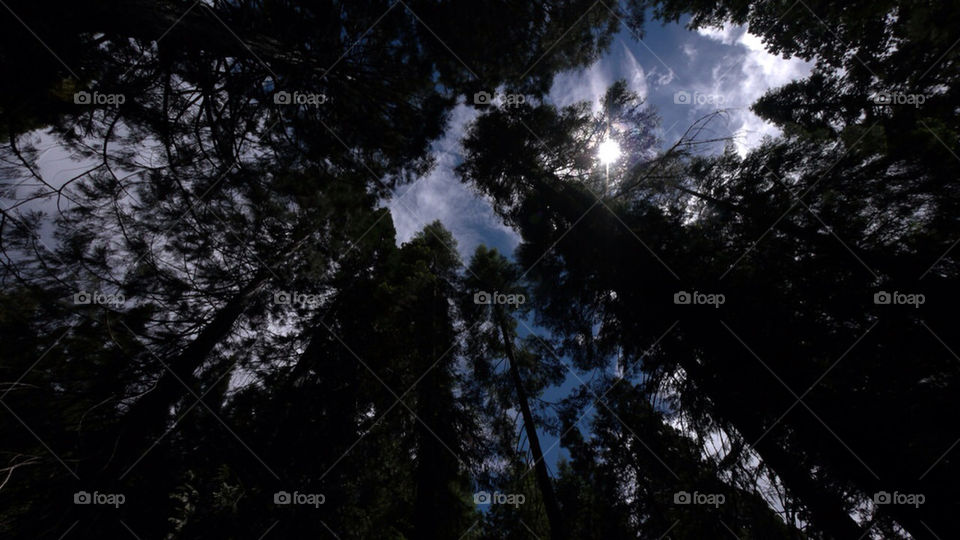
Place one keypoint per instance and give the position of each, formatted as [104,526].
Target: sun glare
[608,151]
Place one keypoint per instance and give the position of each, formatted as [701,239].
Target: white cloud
[727,34]
[592,83]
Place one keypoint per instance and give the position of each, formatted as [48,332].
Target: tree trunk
[539,465]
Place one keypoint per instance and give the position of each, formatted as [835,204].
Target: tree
[425,295]
[492,280]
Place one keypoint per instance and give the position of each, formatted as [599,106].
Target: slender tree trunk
[539,465]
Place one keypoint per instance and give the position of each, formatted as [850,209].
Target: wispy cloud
[440,195]
[744,74]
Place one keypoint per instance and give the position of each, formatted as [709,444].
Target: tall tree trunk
[436,513]
[539,465]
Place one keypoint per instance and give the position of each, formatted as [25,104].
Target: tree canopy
[210,330]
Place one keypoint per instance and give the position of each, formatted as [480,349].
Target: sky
[682,74]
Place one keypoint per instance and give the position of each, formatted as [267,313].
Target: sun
[608,151]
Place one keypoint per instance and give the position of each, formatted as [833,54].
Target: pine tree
[490,315]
